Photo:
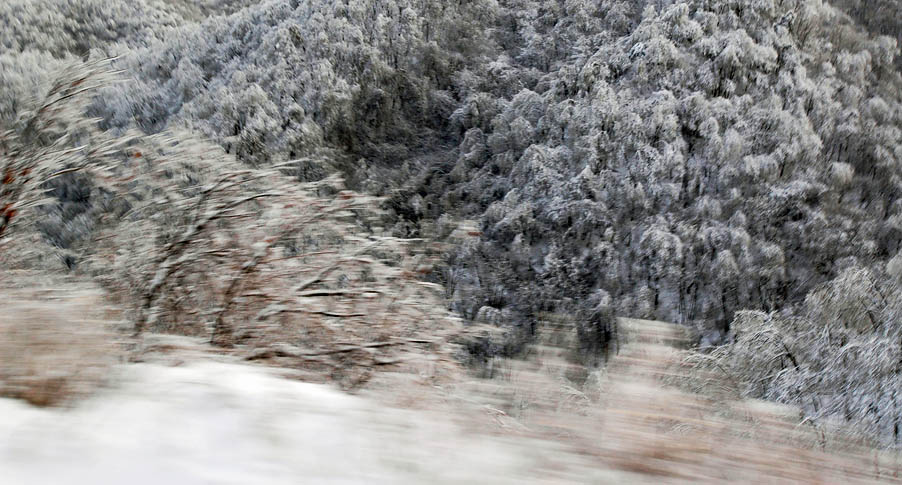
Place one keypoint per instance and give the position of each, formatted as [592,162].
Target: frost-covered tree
[726,124]
[62,27]
[839,360]
[285,79]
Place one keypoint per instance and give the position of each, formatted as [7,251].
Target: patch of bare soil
[57,339]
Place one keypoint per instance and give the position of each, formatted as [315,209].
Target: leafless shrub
[253,257]
[51,140]
[193,242]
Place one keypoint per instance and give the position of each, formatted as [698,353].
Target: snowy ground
[213,422]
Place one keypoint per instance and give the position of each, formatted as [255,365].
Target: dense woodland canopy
[680,161]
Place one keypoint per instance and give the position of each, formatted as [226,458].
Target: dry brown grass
[56,343]
[628,418]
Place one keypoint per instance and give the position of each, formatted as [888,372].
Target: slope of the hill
[677,160]
[713,156]
[685,159]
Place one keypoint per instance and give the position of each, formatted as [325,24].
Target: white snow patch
[220,423]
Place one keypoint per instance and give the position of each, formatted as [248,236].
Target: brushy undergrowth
[188,240]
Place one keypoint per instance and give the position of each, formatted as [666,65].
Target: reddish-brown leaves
[8,212]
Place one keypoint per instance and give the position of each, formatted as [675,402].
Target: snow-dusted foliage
[718,156]
[62,27]
[289,79]
[839,358]
[878,16]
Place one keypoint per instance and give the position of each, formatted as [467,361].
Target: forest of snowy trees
[672,160]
